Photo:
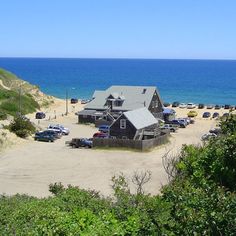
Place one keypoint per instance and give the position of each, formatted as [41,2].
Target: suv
[62,129]
[40,115]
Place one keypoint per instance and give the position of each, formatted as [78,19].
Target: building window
[123,123]
[153,104]
[157,104]
[84,116]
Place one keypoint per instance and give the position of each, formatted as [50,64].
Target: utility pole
[66,101]
[20,102]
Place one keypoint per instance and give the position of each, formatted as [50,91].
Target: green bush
[22,127]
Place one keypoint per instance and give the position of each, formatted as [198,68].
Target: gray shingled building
[109,104]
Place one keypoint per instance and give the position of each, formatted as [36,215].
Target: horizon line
[120,58]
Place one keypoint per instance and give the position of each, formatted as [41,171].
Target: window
[123,123]
[84,116]
[153,104]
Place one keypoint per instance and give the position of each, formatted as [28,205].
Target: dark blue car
[44,136]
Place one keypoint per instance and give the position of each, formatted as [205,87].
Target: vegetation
[18,95]
[22,127]
[11,103]
[200,199]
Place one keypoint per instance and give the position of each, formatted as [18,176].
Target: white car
[64,131]
[191,105]
[182,105]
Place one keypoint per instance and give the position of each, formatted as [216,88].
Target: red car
[100,135]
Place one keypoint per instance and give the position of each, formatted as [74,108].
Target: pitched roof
[134,97]
[140,118]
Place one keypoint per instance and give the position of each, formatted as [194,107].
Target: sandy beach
[30,166]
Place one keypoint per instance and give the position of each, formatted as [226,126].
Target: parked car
[175,104]
[104,128]
[100,135]
[84,142]
[85,101]
[192,114]
[73,100]
[40,115]
[44,136]
[182,105]
[191,105]
[226,106]
[210,106]
[216,130]
[80,142]
[61,128]
[201,106]
[169,127]
[177,123]
[58,131]
[215,115]
[226,114]
[166,104]
[54,133]
[217,107]
[207,136]
[206,115]
[185,121]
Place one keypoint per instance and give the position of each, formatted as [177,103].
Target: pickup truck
[80,142]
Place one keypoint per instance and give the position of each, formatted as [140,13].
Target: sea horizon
[209,81]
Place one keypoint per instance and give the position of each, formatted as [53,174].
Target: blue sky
[194,29]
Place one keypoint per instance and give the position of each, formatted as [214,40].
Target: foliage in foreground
[199,200]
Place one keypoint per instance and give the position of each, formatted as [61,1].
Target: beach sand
[31,166]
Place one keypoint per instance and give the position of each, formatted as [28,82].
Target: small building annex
[109,104]
[138,124]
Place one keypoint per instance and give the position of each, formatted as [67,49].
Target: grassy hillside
[10,103]
[17,94]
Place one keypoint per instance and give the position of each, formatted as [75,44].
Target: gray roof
[134,97]
[89,112]
[140,118]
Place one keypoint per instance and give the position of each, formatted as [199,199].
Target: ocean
[198,81]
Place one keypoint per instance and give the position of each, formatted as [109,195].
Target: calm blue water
[206,81]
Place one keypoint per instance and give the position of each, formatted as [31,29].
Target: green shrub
[22,127]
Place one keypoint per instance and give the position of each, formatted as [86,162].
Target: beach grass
[11,102]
